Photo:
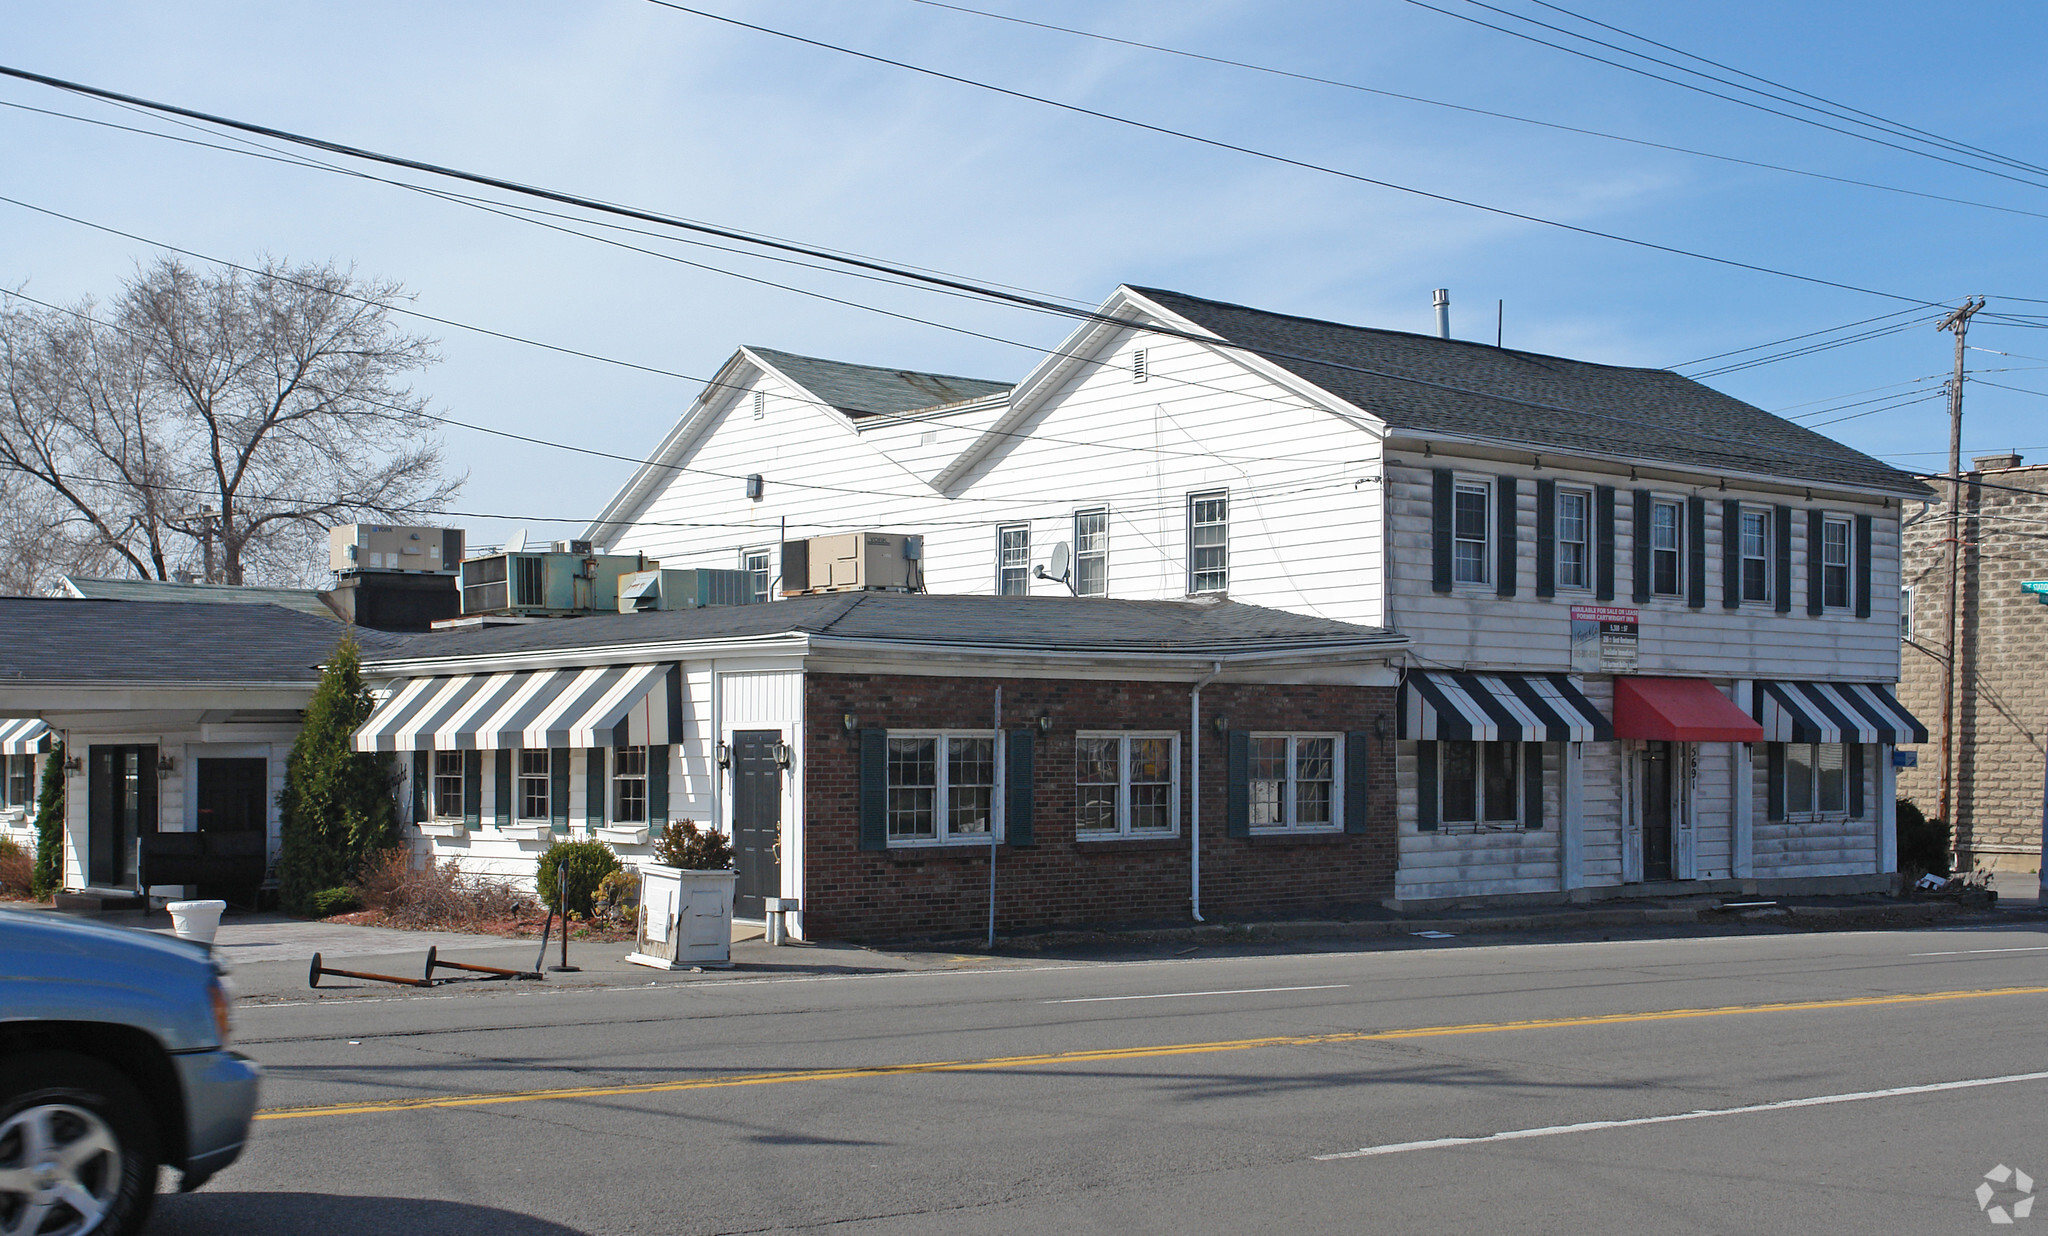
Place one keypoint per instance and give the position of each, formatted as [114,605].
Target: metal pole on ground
[562,900]
[1002,787]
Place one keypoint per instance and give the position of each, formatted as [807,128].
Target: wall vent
[760,405]
[1138,365]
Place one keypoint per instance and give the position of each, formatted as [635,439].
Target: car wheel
[78,1148]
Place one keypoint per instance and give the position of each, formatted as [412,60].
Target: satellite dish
[1059,567]
[516,542]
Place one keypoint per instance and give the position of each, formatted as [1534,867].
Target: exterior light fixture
[851,722]
[1044,723]
[724,755]
[166,765]
[1221,724]
[1380,727]
[783,755]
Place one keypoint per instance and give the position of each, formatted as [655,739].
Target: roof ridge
[827,360]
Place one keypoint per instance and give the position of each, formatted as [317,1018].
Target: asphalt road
[1856,1082]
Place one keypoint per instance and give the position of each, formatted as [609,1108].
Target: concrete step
[96,902]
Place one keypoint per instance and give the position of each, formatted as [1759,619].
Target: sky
[631,102]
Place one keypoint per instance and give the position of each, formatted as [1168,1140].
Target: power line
[1892,407]
[1757,347]
[1476,111]
[1810,349]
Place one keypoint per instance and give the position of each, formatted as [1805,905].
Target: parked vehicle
[113,1063]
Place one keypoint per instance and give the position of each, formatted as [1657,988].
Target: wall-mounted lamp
[74,763]
[851,722]
[783,755]
[1380,727]
[1724,484]
[166,765]
[1221,724]
[724,756]
[1631,474]
[1536,461]
[1044,723]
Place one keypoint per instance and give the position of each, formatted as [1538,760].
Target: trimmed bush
[1923,843]
[329,901]
[339,805]
[587,863]
[683,844]
[49,871]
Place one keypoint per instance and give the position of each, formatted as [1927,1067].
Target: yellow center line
[1099,1055]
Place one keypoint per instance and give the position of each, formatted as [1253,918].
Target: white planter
[685,918]
[623,834]
[196,921]
[527,832]
[443,830]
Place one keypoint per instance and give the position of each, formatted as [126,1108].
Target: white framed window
[448,785]
[629,785]
[1091,552]
[1209,541]
[1667,546]
[942,786]
[1816,780]
[21,775]
[1141,362]
[755,563]
[1834,563]
[1756,555]
[1013,560]
[1905,611]
[1126,785]
[1574,538]
[1479,785]
[1471,531]
[531,793]
[1294,780]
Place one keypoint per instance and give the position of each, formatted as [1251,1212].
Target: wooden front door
[1658,761]
[756,820]
[120,807]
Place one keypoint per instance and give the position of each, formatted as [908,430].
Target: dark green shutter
[504,788]
[1781,532]
[1546,538]
[657,788]
[1425,786]
[1441,487]
[1731,554]
[1357,782]
[1863,566]
[1532,785]
[1855,780]
[1603,528]
[1640,553]
[594,788]
[422,770]
[1504,504]
[1019,787]
[1816,556]
[558,789]
[1696,552]
[472,788]
[1237,795]
[874,789]
[1774,781]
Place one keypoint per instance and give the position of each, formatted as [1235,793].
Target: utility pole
[1959,322]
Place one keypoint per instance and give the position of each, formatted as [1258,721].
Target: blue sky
[629,102]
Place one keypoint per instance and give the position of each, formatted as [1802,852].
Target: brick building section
[852,893]
[2002,690]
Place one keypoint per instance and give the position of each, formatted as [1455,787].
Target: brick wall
[2002,695]
[855,893]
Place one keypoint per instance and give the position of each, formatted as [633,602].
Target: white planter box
[685,918]
[623,834]
[443,830]
[527,832]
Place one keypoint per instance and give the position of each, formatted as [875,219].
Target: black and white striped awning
[24,736]
[1854,712]
[600,706]
[1439,704]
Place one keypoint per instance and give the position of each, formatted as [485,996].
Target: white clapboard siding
[1803,849]
[1444,864]
[1602,797]
[1714,833]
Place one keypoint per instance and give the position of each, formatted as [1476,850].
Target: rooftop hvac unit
[386,547]
[580,548]
[683,589]
[853,562]
[541,584]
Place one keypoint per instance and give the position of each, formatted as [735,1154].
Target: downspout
[1195,794]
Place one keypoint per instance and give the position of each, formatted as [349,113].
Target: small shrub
[17,870]
[586,864]
[1923,843]
[429,896]
[683,844]
[618,901]
[327,902]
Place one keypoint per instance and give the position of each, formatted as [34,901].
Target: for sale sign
[1604,639]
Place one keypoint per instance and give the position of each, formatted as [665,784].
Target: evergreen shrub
[1923,843]
[339,806]
[49,872]
[587,864]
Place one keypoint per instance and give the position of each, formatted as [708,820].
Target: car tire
[63,1102]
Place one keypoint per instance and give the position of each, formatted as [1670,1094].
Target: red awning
[1679,710]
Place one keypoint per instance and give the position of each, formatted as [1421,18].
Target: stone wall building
[2001,707]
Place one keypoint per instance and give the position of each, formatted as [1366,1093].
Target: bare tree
[220,421]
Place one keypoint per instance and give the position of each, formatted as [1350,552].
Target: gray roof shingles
[1102,626]
[872,390]
[1471,390]
[305,600]
[61,639]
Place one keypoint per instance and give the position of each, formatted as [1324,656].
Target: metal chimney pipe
[1442,297]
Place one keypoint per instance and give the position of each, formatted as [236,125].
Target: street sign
[2039,587]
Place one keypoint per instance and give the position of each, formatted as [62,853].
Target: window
[1293,781]
[1666,532]
[1756,556]
[1091,553]
[1816,780]
[629,785]
[942,787]
[1470,528]
[1905,611]
[20,790]
[755,563]
[1140,365]
[1209,542]
[533,785]
[1126,785]
[448,804]
[1481,784]
[1834,563]
[1013,560]
[1574,538]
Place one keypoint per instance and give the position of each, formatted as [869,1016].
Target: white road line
[1176,995]
[1595,1126]
[1965,952]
